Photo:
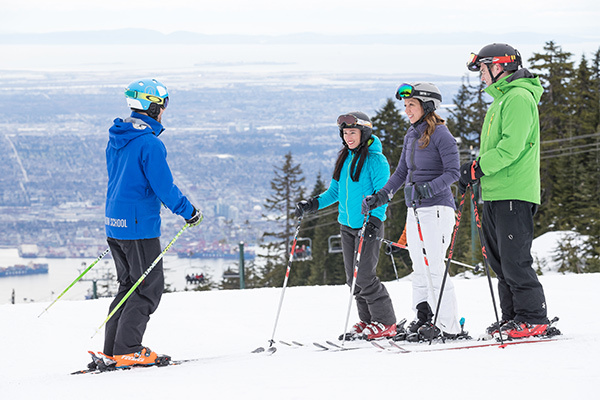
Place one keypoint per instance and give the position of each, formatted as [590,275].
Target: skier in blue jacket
[139,181]
[361,169]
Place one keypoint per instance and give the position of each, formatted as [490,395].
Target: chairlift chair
[303,250]
[334,244]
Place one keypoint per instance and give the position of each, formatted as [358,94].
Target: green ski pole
[144,275]
[76,280]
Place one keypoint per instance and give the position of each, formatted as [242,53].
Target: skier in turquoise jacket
[361,169]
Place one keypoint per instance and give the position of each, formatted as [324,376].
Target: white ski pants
[437,223]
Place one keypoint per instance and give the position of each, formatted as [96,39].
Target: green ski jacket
[510,140]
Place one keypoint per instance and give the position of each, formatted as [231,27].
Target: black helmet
[496,53]
[356,119]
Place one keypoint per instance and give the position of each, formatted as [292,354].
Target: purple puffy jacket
[437,164]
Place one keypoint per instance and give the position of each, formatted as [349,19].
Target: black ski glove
[195,219]
[469,173]
[373,201]
[307,206]
[372,228]
[424,190]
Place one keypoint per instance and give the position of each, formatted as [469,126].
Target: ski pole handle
[140,280]
[76,280]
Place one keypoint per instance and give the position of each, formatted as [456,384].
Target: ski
[476,345]
[377,345]
[331,346]
[293,343]
[320,346]
[269,350]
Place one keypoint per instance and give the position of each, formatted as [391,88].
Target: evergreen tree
[390,126]
[586,110]
[465,122]
[325,268]
[556,124]
[287,191]
[466,118]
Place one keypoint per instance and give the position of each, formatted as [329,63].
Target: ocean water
[401,59]
[63,271]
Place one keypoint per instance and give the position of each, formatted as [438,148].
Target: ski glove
[424,190]
[372,228]
[373,201]
[469,173]
[307,206]
[195,219]
[414,192]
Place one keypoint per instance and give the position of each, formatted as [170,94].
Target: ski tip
[271,350]
[320,346]
[258,350]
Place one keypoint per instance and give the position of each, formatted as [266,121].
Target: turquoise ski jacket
[349,194]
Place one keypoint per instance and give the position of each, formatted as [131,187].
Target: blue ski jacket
[350,194]
[139,180]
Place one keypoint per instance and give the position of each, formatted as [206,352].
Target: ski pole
[76,280]
[427,269]
[401,246]
[361,238]
[285,281]
[144,275]
[389,251]
[486,262]
[450,253]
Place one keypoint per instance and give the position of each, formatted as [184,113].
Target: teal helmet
[142,94]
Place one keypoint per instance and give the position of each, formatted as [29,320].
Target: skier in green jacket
[508,168]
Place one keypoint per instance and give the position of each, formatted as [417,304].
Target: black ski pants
[372,298]
[125,330]
[508,234]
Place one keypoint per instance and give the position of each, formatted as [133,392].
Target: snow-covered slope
[222,327]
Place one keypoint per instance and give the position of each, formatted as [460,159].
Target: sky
[316,16]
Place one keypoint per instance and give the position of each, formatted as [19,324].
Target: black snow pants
[125,330]
[508,233]
[372,298]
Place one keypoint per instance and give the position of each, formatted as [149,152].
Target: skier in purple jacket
[429,164]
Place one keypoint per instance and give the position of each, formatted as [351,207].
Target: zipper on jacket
[490,124]
[412,159]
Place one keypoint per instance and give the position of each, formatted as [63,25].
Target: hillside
[222,327]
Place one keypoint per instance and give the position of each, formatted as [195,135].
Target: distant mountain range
[145,36]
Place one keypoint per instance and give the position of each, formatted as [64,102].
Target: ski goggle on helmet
[495,53]
[351,121]
[141,93]
[422,91]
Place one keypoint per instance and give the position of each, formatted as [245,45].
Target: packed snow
[221,328]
